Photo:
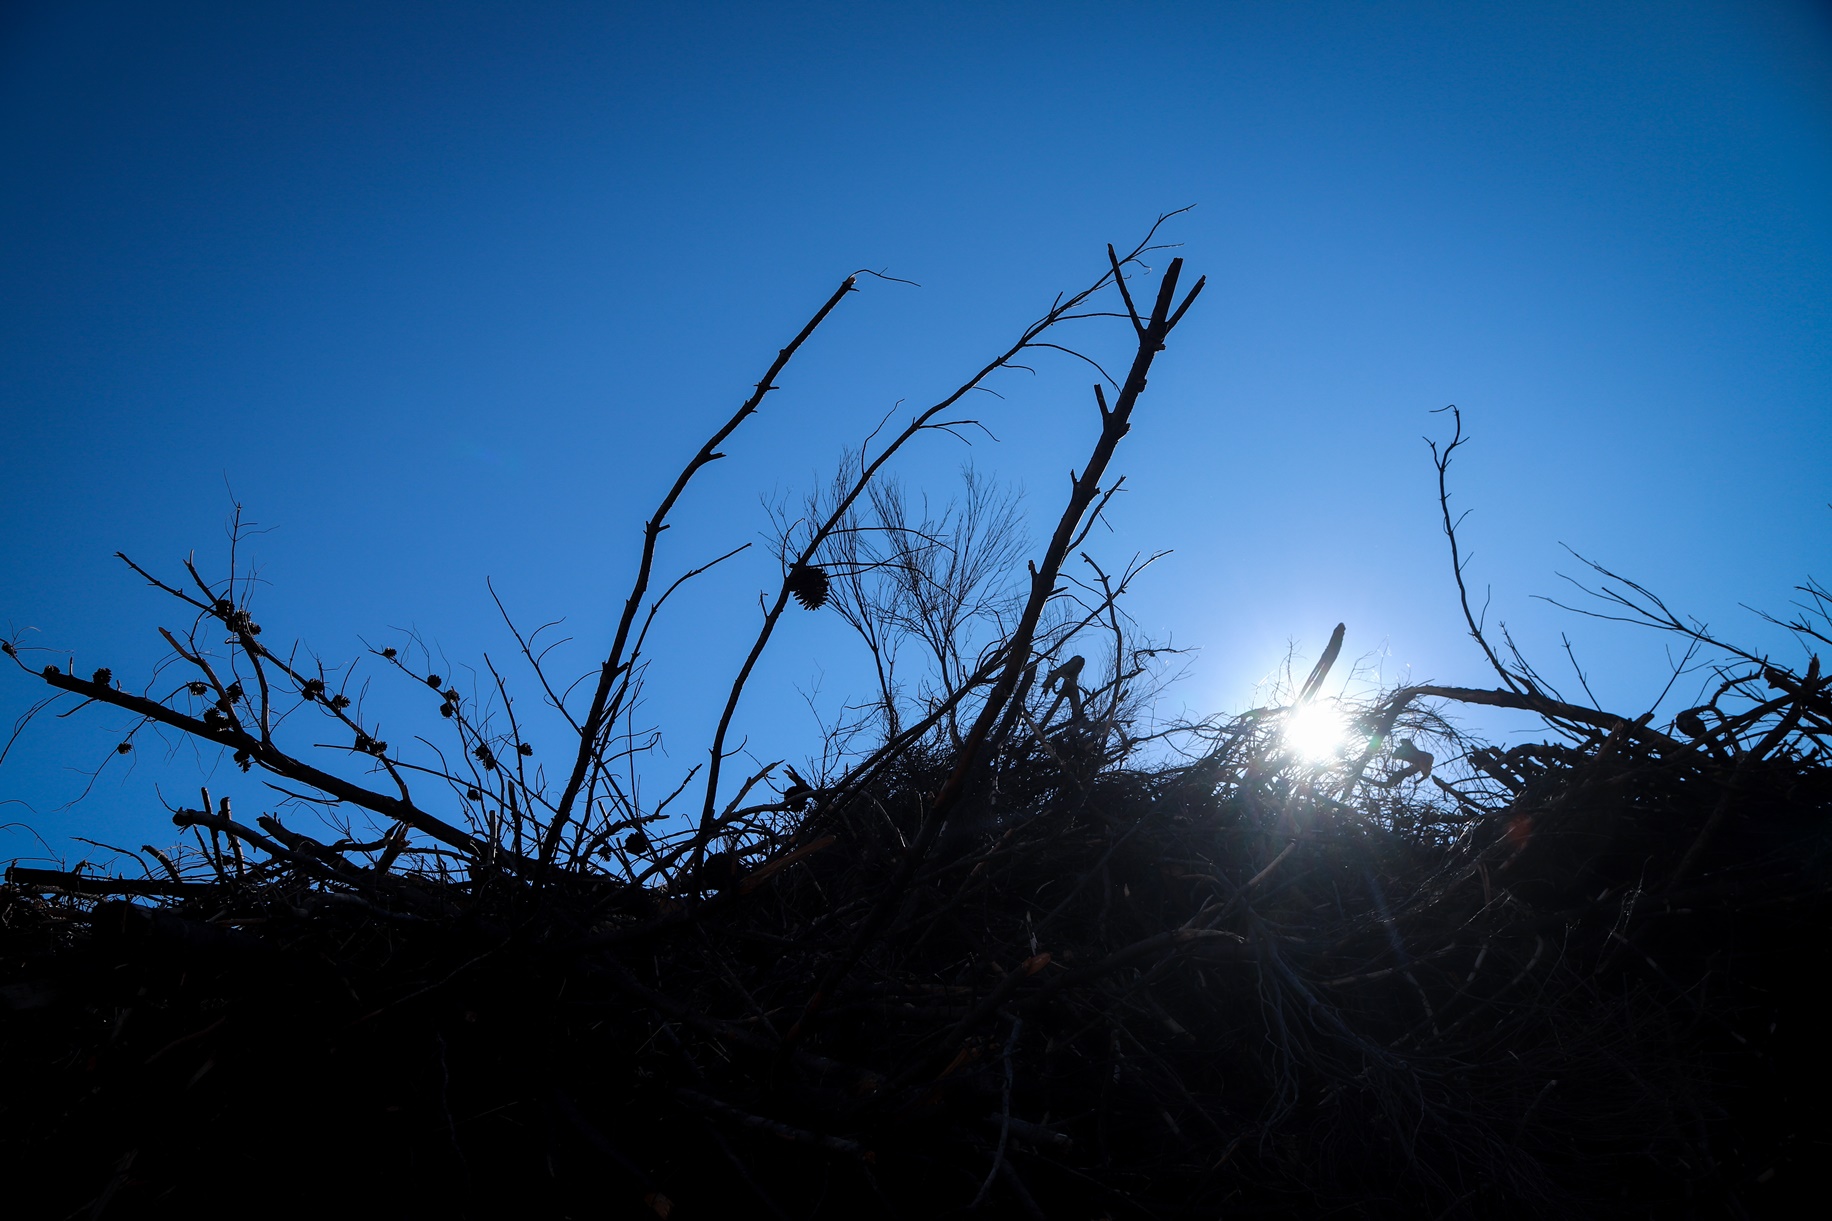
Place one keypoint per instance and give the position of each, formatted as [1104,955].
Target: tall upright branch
[1063,309]
[1115,422]
[1457,562]
[602,711]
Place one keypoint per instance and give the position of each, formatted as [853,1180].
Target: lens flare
[1317,733]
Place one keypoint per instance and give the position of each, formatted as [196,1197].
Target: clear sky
[448,291]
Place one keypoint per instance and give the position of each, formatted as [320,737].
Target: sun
[1317,732]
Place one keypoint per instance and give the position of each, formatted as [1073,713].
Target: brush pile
[1581,987]
[1025,956]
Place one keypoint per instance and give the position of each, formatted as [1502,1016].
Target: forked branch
[603,710]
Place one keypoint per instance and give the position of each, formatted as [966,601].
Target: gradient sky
[449,291]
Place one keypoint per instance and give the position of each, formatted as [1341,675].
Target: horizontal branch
[71,882]
[1522,701]
[270,757]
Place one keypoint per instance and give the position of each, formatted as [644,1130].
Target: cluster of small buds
[371,746]
[244,760]
[239,621]
[6,646]
[198,687]
[485,756]
[102,677]
[312,688]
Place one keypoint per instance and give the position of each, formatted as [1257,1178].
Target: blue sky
[448,291]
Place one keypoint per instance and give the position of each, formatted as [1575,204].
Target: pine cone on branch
[810,584]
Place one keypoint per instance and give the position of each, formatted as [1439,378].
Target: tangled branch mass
[1024,952]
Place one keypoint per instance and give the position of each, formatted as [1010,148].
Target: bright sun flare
[1317,733]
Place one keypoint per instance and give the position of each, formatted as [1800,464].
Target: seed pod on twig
[719,871]
[809,583]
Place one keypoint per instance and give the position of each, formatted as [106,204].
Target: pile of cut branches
[1581,988]
[1007,962]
